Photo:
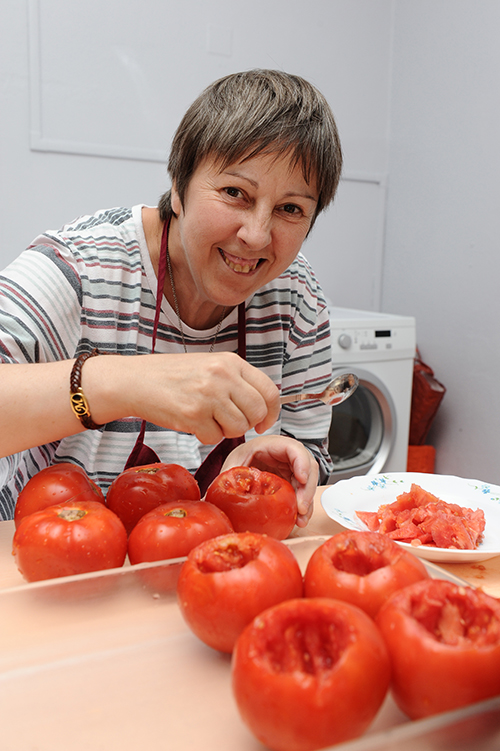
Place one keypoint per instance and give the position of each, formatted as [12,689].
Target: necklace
[176,305]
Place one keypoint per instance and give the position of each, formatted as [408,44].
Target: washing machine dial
[344,341]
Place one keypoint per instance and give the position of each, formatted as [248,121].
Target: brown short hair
[244,114]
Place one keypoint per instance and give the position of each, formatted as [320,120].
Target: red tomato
[71,538]
[228,580]
[171,531]
[444,644]
[363,568]
[55,484]
[255,501]
[309,673]
[141,489]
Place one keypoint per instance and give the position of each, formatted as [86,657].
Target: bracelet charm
[78,401]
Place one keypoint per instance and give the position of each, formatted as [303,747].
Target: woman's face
[238,229]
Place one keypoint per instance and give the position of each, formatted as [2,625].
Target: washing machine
[369,431]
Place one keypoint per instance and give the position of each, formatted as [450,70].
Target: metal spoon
[336,392]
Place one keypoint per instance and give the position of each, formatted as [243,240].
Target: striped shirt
[92,284]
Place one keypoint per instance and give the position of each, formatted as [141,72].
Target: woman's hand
[285,457]
[212,395]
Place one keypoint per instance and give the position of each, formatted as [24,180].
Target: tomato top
[228,554]
[306,637]
[55,484]
[255,501]
[236,551]
[172,529]
[452,615]
[138,490]
[361,567]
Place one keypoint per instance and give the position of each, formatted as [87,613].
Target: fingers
[305,503]
[304,519]
[305,481]
[264,410]
[238,397]
[211,396]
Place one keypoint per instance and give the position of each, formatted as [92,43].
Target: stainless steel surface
[336,392]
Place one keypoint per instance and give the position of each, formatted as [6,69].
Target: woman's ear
[175,200]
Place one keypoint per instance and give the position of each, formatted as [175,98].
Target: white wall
[442,251]
[112,78]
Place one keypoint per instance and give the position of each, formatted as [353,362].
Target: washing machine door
[363,428]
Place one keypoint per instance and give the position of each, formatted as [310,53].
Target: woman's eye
[291,208]
[233,192]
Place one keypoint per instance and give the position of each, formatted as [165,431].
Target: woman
[254,161]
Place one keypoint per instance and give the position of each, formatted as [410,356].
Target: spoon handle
[298,398]
[336,392]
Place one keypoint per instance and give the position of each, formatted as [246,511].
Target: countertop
[107,662]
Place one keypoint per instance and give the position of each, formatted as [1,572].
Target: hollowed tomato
[255,501]
[138,490]
[444,644]
[309,673]
[55,484]
[228,580]
[363,568]
[71,538]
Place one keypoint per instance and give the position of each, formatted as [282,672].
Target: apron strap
[142,454]
[211,467]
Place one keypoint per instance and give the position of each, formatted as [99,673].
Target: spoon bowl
[340,389]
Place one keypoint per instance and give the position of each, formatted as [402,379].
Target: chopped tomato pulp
[460,616]
[420,518]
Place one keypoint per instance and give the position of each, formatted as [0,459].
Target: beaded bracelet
[79,403]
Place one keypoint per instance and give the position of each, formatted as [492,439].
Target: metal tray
[105,662]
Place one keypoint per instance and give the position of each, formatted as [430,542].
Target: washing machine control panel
[385,337]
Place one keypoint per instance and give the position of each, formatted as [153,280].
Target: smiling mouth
[242,267]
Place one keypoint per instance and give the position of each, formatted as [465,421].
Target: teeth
[245,268]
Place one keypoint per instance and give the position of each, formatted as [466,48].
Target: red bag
[427,395]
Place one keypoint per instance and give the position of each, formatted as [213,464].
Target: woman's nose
[255,229]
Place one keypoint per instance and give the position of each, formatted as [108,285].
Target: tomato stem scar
[71,514]
[179,513]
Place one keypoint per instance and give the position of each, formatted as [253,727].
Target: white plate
[368,492]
